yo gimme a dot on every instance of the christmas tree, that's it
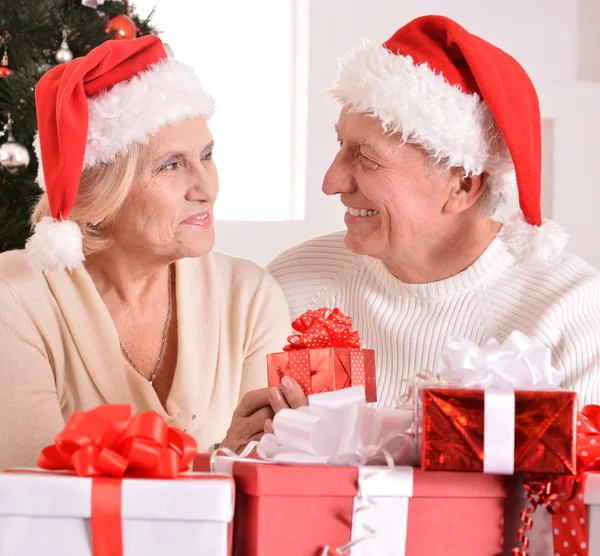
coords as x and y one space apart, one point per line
34 36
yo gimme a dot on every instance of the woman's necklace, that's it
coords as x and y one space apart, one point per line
164 340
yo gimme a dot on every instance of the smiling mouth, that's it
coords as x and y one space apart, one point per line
361 212
201 220
198 217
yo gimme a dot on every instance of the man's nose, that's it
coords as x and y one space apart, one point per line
338 178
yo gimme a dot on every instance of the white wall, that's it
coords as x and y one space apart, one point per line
542 35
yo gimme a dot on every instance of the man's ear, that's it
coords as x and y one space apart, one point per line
464 191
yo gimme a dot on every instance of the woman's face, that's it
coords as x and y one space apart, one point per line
169 211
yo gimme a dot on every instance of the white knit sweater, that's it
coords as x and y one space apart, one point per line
407 324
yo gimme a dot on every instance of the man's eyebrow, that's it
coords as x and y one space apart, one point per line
362 141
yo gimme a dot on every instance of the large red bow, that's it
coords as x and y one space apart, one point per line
323 328
106 443
569 522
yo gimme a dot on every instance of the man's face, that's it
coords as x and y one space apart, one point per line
395 196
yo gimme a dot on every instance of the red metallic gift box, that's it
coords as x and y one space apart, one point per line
453 430
323 370
324 355
297 510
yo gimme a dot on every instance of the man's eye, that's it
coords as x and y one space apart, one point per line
208 155
366 161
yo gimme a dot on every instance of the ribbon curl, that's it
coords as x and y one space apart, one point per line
323 328
539 493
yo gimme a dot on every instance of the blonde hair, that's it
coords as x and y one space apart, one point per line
102 191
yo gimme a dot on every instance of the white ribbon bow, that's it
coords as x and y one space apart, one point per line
338 428
519 363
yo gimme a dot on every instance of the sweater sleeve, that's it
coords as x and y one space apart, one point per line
30 413
577 346
268 334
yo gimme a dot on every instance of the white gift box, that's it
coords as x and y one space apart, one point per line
49 513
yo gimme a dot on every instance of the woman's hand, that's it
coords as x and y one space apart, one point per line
248 421
253 417
290 395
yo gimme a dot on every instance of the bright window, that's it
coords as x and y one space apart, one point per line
251 56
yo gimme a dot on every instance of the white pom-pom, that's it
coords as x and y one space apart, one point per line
55 245
538 245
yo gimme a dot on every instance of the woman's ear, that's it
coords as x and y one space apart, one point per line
464 191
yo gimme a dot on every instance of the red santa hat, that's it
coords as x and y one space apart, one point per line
470 105
91 110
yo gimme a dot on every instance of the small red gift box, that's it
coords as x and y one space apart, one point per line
454 425
325 355
299 510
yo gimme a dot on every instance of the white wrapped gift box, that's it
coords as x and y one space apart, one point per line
49 513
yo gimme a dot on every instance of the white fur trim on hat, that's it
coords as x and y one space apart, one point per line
38 153
536 245
412 100
130 112
55 245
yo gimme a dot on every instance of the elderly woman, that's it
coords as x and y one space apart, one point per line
435 125
151 317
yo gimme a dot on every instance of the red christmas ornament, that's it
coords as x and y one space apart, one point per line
5 71
122 27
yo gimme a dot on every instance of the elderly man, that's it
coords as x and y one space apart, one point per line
436 125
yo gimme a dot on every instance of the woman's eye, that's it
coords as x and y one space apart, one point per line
169 166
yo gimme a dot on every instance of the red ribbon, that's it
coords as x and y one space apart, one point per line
569 523
323 328
107 444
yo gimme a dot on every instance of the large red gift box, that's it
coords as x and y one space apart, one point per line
454 422
324 356
299 510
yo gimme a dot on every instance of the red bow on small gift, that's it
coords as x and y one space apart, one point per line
106 443
323 328
569 522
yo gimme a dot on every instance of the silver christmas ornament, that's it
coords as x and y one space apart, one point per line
92 3
63 54
14 157
168 50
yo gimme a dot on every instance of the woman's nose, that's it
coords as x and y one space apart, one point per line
202 187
